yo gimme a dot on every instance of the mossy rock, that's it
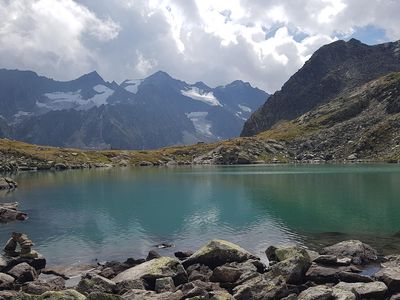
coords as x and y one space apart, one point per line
59 295
153 269
218 252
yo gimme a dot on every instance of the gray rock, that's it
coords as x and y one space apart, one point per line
353 277
39 287
103 296
153 269
218 252
53 295
152 255
150 295
96 283
359 252
293 263
225 274
339 294
125 286
391 277
23 273
6 281
365 290
165 284
260 288
321 274
8 295
319 292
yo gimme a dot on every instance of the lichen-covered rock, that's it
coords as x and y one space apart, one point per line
218 252
96 283
225 274
293 263
260 288
39 287
103 296
391 277
165 284
319 292
365 290
58 295
150 295
153 269
359 252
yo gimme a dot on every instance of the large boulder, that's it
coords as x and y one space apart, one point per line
293 263
321 274
23 273
96 283
261 288
319 292
218 252
391 277
6 281
153 269
365 290
40 286
359 252
53 295
150 295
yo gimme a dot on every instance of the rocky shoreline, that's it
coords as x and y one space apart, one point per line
218 270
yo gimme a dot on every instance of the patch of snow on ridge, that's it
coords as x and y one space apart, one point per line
200 95
244 108
74 100
132 86
200 123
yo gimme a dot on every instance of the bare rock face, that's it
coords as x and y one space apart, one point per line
369 290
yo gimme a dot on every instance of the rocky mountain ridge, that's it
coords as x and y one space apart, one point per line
89 112
331 71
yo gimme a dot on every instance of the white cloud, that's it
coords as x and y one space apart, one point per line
260 41
47 36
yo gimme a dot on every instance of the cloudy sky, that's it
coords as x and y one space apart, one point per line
215 41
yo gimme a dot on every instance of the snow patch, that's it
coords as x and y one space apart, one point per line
74 100
22 114
132 86
200 123
200 95
244 108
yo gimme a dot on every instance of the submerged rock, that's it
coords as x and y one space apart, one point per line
7 183
218 252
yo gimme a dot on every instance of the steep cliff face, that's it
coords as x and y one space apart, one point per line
331 71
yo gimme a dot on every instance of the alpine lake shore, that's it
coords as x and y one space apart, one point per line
220 269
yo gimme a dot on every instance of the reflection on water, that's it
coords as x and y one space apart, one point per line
119 213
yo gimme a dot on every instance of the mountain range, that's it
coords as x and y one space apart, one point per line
90 113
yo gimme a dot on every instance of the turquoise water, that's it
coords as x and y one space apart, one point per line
78 216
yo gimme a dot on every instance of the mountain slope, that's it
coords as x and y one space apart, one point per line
361 124
332 70
154 112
